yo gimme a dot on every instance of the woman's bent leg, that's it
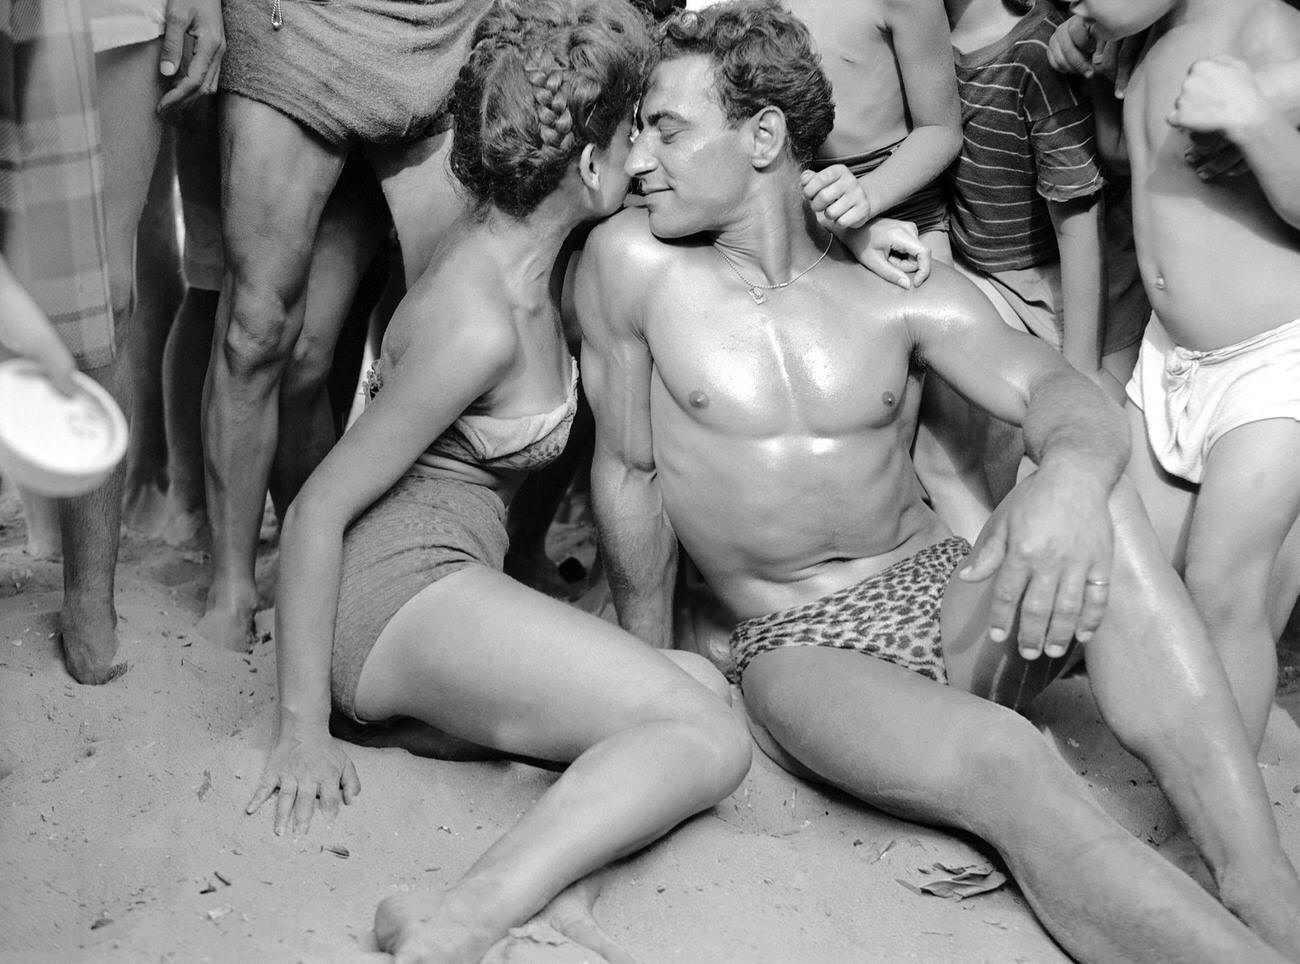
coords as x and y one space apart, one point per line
488 660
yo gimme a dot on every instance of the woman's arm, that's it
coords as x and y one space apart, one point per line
436 379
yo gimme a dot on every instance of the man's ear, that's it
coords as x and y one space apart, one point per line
587 168
770 135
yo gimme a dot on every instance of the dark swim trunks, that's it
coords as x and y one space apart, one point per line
927 208
893 615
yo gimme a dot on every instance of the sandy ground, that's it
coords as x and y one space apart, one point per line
123 838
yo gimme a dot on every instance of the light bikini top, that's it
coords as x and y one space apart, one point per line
510 443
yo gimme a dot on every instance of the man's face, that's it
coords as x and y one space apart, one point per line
1113 19
692 163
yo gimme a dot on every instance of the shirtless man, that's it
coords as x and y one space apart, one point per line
745 405
1214 403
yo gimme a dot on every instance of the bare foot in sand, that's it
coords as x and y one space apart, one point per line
184 528
144 506
229 625
88 633
572 913
442 929
44 540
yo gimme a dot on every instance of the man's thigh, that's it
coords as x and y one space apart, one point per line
1168 500
422 193
275 179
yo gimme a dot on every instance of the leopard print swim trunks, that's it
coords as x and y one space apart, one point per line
893 615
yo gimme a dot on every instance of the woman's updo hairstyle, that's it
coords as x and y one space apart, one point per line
543 79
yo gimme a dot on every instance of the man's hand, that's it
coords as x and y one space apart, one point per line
1050 544
305 764
836 195
891 249
194 41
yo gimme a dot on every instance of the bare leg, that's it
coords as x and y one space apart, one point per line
649 745
129 89
41 514
159 290
189 346
349 234
939 755
421 195
276 178
1162 690
1239 578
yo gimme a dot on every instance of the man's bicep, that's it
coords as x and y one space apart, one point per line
968 345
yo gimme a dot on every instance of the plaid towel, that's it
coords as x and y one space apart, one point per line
52 229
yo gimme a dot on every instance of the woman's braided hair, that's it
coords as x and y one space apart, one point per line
543 79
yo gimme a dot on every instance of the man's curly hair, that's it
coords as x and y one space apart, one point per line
543 79
763 57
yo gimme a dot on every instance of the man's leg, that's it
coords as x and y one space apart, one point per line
1162 690
129 88
938 755
159 290
1240 579
351 229
422 196
276 179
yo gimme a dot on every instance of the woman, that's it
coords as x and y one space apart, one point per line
393 548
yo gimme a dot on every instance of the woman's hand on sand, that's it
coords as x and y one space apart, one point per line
306 765
836 195
1048 547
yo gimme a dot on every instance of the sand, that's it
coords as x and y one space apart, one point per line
123 837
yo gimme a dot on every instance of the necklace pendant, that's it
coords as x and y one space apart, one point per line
758 294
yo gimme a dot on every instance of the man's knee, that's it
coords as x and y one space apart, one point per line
259 333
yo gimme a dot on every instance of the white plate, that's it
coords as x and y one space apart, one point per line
52 444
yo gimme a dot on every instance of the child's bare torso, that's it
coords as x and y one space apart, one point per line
853 39
1218 264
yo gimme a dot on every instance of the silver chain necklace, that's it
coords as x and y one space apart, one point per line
759 291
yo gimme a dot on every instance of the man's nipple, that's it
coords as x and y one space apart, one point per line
698 399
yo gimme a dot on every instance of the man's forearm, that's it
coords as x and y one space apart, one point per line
1071 426
638 548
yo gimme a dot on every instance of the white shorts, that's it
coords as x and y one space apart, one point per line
1191 399
120 23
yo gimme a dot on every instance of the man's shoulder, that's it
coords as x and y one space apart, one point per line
626 239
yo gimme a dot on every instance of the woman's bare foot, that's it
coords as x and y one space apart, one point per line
88 633
572 913
441 929
184 528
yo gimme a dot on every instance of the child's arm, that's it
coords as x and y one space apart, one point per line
24 329
1220 96
919 30
1078 224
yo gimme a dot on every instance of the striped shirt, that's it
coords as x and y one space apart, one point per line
52 229
1027 138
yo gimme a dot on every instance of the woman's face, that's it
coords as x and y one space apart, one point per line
611 163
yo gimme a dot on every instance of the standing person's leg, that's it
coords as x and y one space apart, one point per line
1237 573
276 179
351 229
422 196
158 292
129 89
189 346
650 746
